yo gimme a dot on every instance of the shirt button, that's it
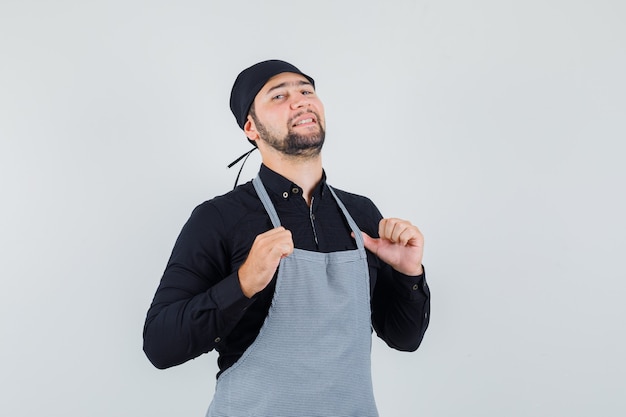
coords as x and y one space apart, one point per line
295 190
415 287
285 194
217 340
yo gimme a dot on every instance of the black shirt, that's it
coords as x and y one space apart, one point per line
199 305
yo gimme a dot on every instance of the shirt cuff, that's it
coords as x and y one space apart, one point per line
228 296
412 287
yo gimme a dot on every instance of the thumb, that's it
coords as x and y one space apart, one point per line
370 243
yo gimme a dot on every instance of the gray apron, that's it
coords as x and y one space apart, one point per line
312 355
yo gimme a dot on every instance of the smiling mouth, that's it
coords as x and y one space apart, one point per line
305 121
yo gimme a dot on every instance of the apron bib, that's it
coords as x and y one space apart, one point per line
312 355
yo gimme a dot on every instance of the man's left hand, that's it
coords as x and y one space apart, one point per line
400 245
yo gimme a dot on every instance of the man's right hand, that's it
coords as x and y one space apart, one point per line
265 255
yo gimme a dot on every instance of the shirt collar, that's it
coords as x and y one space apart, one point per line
283 188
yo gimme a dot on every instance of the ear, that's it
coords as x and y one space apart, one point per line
249 128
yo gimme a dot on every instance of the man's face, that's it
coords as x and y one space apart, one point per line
288 115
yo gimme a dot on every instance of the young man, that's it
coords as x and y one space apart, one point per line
285 276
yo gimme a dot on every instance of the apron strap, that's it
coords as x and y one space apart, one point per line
355 229
265 199
271 211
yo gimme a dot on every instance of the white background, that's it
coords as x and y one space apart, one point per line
495 126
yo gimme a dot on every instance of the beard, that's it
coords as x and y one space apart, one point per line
294 144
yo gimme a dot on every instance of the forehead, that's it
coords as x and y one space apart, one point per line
285 79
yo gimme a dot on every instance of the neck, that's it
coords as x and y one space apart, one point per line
304 171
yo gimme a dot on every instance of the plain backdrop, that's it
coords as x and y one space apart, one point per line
495 126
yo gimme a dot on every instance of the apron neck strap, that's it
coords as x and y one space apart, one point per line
271 211
265 199
355 229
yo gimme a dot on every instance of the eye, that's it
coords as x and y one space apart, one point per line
307 92
278 97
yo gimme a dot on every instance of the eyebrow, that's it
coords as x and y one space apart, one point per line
288 84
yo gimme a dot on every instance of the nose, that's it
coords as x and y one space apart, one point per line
299 101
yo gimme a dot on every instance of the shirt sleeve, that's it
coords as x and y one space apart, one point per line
400 308
199 300
400 303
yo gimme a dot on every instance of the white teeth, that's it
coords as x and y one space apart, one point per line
305 121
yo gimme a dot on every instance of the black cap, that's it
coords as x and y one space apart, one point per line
251 80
